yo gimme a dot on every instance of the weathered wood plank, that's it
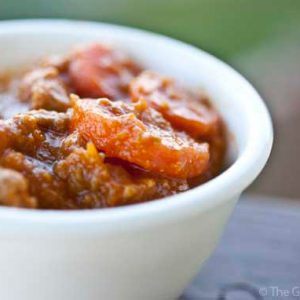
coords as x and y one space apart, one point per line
260 248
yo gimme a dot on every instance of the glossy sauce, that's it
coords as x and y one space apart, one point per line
92 129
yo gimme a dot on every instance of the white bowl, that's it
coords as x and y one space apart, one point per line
145 251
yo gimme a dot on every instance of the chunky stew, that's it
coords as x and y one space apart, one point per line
93 129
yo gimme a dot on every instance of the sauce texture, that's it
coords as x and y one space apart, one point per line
93 129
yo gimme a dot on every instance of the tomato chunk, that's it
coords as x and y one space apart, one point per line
183 109
140 135
99 71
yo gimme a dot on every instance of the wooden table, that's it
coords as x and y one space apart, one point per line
258 256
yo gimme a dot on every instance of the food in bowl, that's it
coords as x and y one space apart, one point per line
93 129
146 251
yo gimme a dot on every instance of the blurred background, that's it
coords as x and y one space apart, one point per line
260 38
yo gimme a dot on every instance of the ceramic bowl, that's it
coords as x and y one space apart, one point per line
148 251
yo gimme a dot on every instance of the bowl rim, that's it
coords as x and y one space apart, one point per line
232 181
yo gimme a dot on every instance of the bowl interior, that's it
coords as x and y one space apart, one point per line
23 42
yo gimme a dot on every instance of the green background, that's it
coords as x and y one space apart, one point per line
224 27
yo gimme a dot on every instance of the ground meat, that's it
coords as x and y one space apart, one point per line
4 138
95 183
65 172
36 133
34 141
98 184
49 192
44 88
14 190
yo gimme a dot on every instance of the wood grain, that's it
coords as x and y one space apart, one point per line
260 251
